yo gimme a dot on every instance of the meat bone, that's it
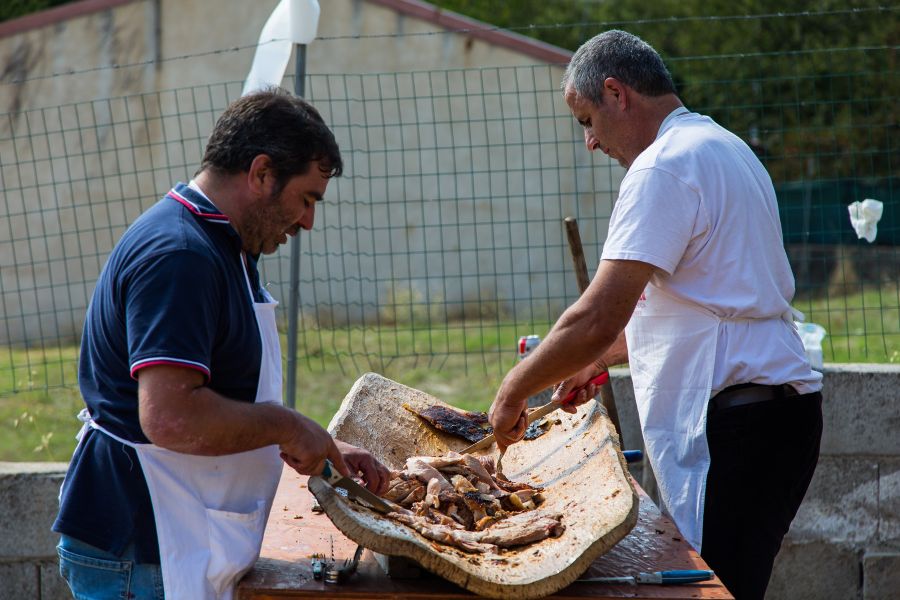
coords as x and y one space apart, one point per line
539 412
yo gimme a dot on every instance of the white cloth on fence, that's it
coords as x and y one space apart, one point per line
864 217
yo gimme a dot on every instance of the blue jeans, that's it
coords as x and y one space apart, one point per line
94 574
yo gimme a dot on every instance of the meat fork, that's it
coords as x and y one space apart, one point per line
500 462
342 574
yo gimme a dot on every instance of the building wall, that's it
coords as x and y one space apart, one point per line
843 545
462 159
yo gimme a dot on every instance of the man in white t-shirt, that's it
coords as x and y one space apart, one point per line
693 291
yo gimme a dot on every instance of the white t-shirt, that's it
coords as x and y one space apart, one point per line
698 205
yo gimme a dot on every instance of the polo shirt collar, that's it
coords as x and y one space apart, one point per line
197 203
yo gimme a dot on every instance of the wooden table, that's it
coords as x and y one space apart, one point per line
294 533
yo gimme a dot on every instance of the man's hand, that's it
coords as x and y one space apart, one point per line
508 418
375 474
179 412
575 381
310 445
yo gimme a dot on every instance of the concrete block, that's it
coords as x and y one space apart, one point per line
881 575
889 500
623 392
20 581
28 506
865 426
53 586
815 571
861 409
841 504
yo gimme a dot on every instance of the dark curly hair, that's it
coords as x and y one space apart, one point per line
278 124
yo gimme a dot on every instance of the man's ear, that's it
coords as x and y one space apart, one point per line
261 176
617 90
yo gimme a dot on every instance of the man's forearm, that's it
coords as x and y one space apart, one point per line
178 412
589 330
616 354
576 339
220 425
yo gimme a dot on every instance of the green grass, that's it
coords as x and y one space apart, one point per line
37 420
461 363
863 326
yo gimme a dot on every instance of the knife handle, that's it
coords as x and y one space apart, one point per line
330 473
552 406
598 380
674 577
633 455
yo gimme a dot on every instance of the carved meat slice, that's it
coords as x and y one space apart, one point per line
523 528
469 463
424 472
400 489
461 539
472 426
405 491
516 530
455 499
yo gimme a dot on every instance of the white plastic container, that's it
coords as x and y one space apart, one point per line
812 335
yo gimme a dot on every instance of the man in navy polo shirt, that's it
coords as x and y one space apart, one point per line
171 483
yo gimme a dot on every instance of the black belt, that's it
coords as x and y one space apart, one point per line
750 393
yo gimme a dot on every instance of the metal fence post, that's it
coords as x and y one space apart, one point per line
294 300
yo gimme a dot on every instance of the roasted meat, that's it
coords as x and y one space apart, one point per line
457 500
472 426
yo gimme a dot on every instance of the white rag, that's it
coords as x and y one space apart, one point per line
864 217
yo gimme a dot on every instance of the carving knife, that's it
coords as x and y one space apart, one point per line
657 577
540 412
354 490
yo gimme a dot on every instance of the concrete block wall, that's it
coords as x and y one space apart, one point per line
29 568
845 540
843 545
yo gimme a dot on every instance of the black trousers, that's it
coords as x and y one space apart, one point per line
763 457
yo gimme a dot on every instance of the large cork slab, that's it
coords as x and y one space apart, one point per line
578 462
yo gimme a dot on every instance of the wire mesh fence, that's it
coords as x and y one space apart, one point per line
445 235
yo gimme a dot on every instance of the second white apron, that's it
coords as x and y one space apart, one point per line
211 511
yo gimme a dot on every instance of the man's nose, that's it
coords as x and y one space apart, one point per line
306 221
590 141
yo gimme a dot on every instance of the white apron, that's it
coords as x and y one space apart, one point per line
672 350
211 511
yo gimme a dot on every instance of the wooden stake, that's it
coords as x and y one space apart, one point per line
581 274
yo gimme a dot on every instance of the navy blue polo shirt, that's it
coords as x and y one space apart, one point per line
172 292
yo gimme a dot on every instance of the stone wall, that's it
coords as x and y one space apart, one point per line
845 541
843 545
28 501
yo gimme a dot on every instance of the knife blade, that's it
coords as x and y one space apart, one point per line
354 490
540 412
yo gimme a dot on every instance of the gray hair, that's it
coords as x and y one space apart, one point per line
618 54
